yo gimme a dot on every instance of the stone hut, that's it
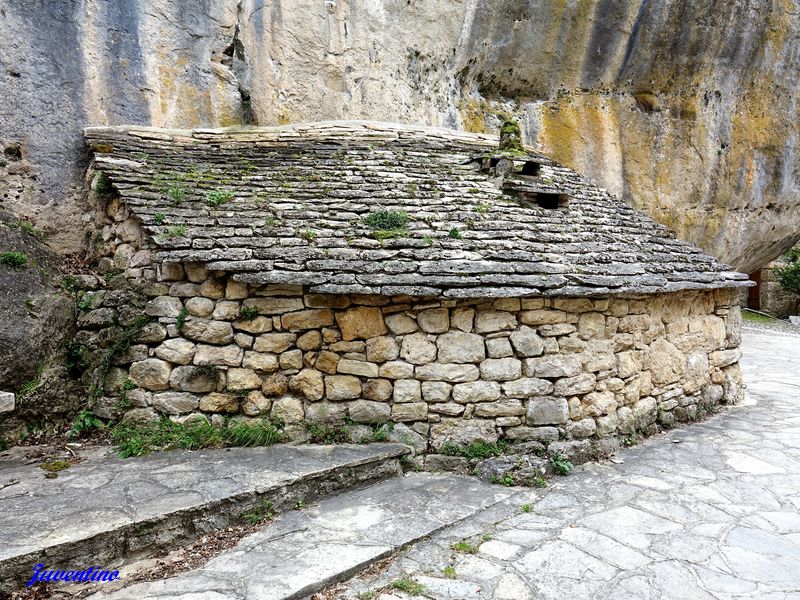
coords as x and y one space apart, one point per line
378 272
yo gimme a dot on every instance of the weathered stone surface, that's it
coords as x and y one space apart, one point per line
476 391
527 387
342 387
501 369
541 434
176 350
451 409
151 333
174 403
230 356
526 343
449 372
194 379
411 411
276 384
591 325
499 348
207 331
434 320
257 325
200 307
327 362
542 317
462 319
573 386
357 367
311 340
401 324
724 358
307 319
213 288
274 342
292 359
596 404
417 350
226 310
151 374
243 379
164 306
490 321
255 403
309 384
377 389
260 361
460 347
547 410
361 323
407 390
7 401
363 411
553 366
581 429
505 407
328 412
396 369
665 362
436 391
275 306
287 410
462 432
382 349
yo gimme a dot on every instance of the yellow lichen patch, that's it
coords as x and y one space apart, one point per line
102 148
473 115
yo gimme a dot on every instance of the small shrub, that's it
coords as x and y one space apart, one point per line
218 197
84 301
30 386
103 184
159 218
465 547
409 586
506 480
175 232
483 207
176 193
308 235
248 313
55 466
449 572
27 227
560 464
789 276
85 421
526 508
180 320
263 511
14 260
324 433
455 234
428 240
386 220
381 432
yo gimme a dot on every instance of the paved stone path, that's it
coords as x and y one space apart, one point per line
708 511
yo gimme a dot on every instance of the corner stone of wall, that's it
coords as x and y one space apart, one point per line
205 346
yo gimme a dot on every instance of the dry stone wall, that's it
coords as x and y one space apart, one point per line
450 371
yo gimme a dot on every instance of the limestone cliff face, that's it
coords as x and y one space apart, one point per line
689 109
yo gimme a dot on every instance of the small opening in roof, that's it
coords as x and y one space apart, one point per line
550 201
531 168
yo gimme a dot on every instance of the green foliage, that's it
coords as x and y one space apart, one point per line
175 231
387 234
55 466
506 480
103 184
409 586
180 320
27 227
299 505
449 572
328 433
538 482
560 464
455 234
308 235
84 301
248 313
483 207
526 508
261 512
477 449
14 260
177 193
3 445
754 317
128 384
141 439
386 220
159 218
789 276
381 432
85 421
218 197
428 240
30 386
120 344
465 547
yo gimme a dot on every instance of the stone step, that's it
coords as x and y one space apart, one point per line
109 508
302 552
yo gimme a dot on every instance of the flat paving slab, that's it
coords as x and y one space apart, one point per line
303 551
708 511
106 498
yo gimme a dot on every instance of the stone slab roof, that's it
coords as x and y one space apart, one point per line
290 205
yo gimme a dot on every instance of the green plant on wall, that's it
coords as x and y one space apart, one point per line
789 275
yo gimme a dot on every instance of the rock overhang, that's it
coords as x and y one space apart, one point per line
289 205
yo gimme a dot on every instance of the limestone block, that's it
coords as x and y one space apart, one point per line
596 404
275 306
7 401
501 369
209 332
403 434
363 411
235 290
174 403
382 349
171 272
413 411
713 330
401 324
460 347
487 321
213 288
645 411
476 391
226 310
542 317
505 407
313 318
256 404
541 434
131 354
200 307
724 358
260 361
139 416
526 342
583 428
396 369
531 303
184 290
326 301
163 306
606 425
311 340
436 391
274 342
342 387
499 348
275 385
151 374
377 389
526 387
309 384
449 372
462 432
463 319
573 305
665 362
450 409
243 379
591 325
407 390
293 359
327 412
417 350
547 410
287 410
348 347
434 320
574 386
176 350
97 319
629 363
357 367
697 372
243 340
229 356
260 324
362 323
733 327
193 379
327 362
553 366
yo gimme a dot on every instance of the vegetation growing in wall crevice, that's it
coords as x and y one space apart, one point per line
789 275
14 260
